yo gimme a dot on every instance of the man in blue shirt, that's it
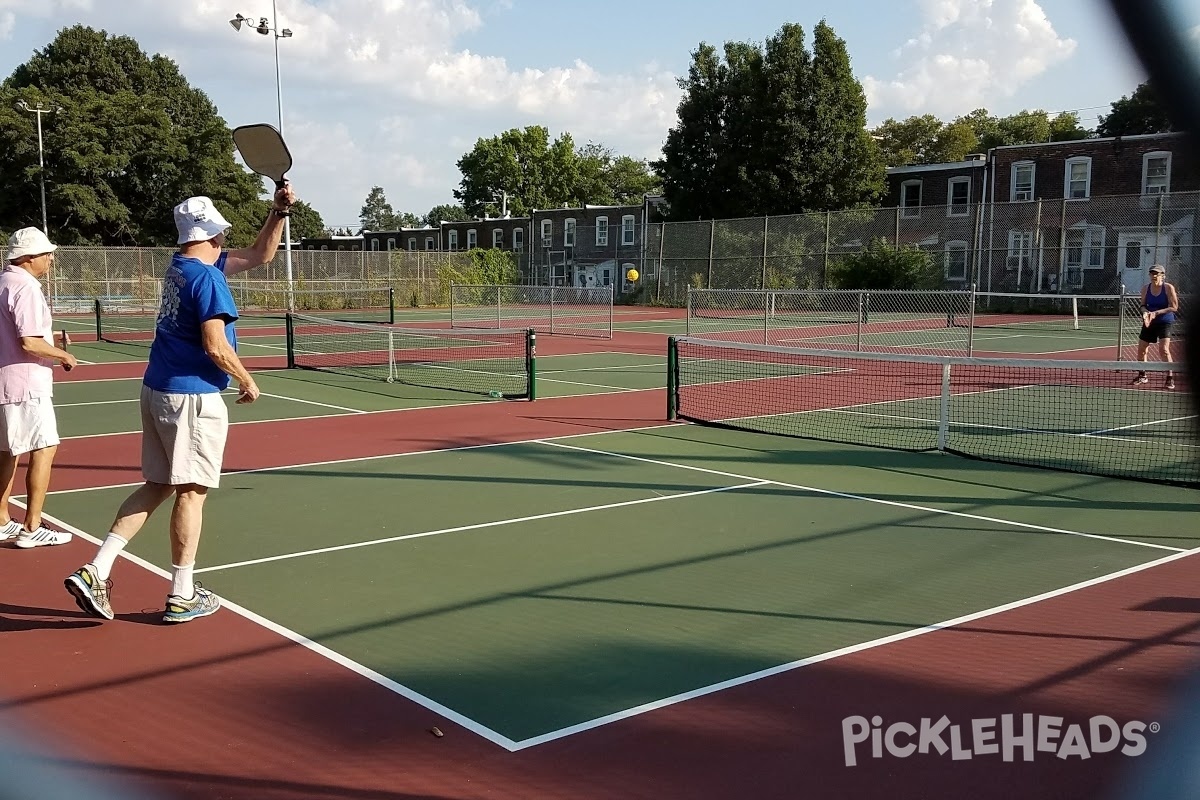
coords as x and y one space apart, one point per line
184 418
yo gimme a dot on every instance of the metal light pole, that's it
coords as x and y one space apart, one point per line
38 110
264 28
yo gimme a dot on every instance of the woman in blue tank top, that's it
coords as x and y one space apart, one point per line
1160 304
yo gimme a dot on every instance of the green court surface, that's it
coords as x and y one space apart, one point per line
590 577
86 408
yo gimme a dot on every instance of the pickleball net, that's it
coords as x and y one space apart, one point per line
493 362
1092 417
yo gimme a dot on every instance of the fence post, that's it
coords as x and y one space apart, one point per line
662 238
712 237
896 241
825 261
766 220
971 324
1062 250
499 314
1121 323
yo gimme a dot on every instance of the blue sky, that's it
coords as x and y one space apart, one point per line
394 92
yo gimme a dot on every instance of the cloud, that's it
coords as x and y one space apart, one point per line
1195 33
968 51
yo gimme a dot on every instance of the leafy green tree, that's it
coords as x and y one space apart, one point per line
880 266
524 163
1140 112
446 213
306 222
605 178
133 139
771 129
377 213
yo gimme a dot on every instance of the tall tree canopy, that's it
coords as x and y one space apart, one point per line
535 172
1140 112
132 139
926 139
447 213
772 129
377 214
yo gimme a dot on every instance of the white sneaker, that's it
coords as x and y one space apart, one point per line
41 537
10 530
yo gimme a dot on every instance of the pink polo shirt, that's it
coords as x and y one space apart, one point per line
23 312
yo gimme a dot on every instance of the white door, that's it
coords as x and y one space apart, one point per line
1134 257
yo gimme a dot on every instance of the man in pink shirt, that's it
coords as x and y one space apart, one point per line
27 358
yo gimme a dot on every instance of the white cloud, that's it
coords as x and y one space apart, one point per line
1195 33
375 91
969 51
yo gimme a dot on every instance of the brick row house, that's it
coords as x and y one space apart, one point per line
585 246
1082 217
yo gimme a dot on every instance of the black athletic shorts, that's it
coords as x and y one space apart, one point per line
1156 330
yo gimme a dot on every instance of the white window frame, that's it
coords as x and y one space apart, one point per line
498 238
324 247
1089 244
569 232
1018 193
628 229
909 210
429 245
1068 193
472 239
391 243
412 243
958 209
518 240
1165 187
601 231
374 244
1020 251
956 246
452 240
547 233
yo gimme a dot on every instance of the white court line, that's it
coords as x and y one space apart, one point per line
478 526
848 496
511 745
839 653
1140 425
320 649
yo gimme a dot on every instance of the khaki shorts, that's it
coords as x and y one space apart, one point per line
183 437
28 425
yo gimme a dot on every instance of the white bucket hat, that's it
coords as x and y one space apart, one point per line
198 220
29 242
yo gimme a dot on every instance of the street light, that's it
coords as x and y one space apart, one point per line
266 27
37 109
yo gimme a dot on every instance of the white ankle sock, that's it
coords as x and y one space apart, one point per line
181 582
109 550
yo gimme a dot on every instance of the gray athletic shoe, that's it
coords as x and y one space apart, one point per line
180 610
90 593
10 530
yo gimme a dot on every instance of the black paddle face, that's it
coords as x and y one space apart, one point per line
263 149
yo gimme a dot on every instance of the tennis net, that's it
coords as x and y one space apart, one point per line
495 362
1082 416
132 320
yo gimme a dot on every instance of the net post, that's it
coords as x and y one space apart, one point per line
393 373
767 297
858 323
531 362
672 378
391 305
1121 322
612 292
688 303
971 326
944 411
290 327
99 329
1074 312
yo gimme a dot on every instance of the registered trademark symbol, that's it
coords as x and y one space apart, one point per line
1155 727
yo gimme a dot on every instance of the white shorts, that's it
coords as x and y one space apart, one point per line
28 425
183 437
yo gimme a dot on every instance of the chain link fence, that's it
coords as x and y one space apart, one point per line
566 310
